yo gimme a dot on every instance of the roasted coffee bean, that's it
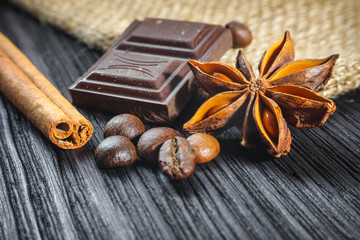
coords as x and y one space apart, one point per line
242 36
149 143
115 151
205 146
177 159
126 125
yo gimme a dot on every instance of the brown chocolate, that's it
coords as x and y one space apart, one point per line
145 71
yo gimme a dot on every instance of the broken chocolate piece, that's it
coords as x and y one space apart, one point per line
145 72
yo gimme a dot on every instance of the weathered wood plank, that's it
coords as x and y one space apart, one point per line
46 192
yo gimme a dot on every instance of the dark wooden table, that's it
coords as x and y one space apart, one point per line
50 193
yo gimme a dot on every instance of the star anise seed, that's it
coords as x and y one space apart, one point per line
283 91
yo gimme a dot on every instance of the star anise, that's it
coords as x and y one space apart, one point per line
284 90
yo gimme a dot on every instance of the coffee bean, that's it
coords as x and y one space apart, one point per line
205 146
149 143
177 160
242 36
115 151
126 125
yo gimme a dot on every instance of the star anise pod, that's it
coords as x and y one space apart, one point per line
284 90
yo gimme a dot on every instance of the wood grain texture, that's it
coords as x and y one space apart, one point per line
50 193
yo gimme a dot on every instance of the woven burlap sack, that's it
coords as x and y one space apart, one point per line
319 28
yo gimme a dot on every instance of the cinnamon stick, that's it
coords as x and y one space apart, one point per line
23 84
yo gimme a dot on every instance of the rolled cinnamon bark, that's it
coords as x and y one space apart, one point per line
23 84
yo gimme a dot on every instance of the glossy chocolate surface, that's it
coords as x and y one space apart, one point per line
145 71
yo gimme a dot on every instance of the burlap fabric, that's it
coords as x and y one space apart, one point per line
318 27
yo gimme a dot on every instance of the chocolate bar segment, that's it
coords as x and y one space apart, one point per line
145 71
166 33
123 74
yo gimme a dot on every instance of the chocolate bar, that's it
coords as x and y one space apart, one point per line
145 71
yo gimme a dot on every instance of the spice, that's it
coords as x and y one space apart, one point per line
284 91
23 84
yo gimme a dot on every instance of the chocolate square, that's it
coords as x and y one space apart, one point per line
145 72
